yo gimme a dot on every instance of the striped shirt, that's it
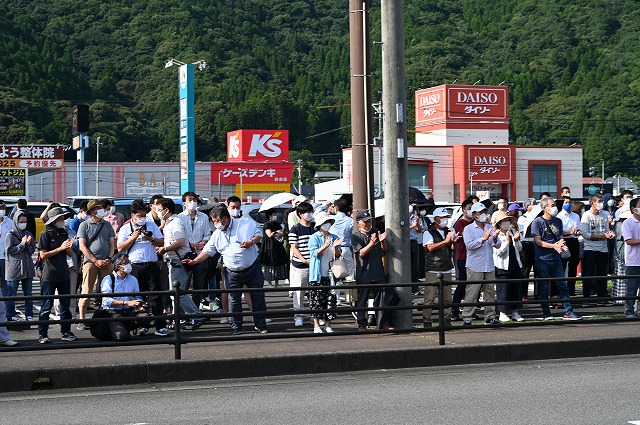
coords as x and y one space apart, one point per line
299 235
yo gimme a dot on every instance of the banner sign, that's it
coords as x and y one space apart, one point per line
13 182
31 156
490 164
250 173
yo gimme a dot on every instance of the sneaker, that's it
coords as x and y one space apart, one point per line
143 331
261 331
29 318
205 306
571 316
162 332
290 294
321 322
224 321
299 322
317 330
69 336
493 320
328 329
504 318
13 319
630 316
362 328
81 327
517 317
600 304
455 317
235 331
467 322
267 320
548 318
8 343
196 324
43 339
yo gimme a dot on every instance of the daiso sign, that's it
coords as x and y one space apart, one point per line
257 145
491 164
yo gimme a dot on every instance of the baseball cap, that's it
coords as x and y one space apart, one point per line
441 212
363 215
477 207
515 207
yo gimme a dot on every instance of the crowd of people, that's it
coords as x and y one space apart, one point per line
213 246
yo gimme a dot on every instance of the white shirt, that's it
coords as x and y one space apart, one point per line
197 228
142 250
569 221
5 227
501 253
227 243
174 230
479 252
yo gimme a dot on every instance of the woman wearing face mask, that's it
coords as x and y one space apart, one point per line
506 258
273 255
19 246
122 306
323 246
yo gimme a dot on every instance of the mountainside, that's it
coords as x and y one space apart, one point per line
572 68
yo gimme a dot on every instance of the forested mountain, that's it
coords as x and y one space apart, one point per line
573 69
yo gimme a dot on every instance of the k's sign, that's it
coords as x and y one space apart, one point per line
257 145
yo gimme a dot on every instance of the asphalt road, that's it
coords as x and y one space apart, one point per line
581 391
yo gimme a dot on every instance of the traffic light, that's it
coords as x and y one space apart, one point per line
80 119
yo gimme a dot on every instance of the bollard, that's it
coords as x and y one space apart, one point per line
176 320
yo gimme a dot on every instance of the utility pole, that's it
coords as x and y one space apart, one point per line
361 127
396 192
97 165
299 176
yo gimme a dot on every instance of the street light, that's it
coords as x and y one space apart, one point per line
202 64
471 174
97 165
41 187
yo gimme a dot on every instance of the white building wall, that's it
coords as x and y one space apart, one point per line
571 166
454 137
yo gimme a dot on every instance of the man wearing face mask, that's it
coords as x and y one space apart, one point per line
234 205
596 230
98 244
54 246
236 241
480 238
198 232
121 281
112 216
438 248
74 225
139 239
547 235
631 236
501 205
176 245
461 256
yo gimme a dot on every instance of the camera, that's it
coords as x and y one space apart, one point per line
145 232
144 305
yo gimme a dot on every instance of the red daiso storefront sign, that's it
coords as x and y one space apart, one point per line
257 145
458 106
491 164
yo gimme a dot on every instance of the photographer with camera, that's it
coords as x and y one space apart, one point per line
139 238
122 281
196 223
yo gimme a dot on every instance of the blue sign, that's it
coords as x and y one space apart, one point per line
187 129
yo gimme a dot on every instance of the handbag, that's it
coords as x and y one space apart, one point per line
339 266
191 255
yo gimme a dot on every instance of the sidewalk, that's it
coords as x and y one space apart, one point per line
301 352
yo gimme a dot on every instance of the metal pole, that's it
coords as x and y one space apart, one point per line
362 151
177 343
97 166
395 151
441 324
299 177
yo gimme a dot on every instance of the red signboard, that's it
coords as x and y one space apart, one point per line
251 172
257 145
31 156
491 165
458 106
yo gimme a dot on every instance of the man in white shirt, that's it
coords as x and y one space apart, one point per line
139 238
174 250
480 238
235 240
198 231
570 232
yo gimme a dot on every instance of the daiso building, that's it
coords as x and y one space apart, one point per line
462 147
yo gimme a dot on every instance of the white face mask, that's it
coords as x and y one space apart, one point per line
600 206
553 212
625 201
235 213
2 213
191 205
308 216
66 222
505 225
219 226
22 226
326 227
141 221
423 213
127 268
482 218
468 214
107 211
59 224
500 206
444 222
100 213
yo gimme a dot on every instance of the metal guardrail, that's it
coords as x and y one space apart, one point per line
177 339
